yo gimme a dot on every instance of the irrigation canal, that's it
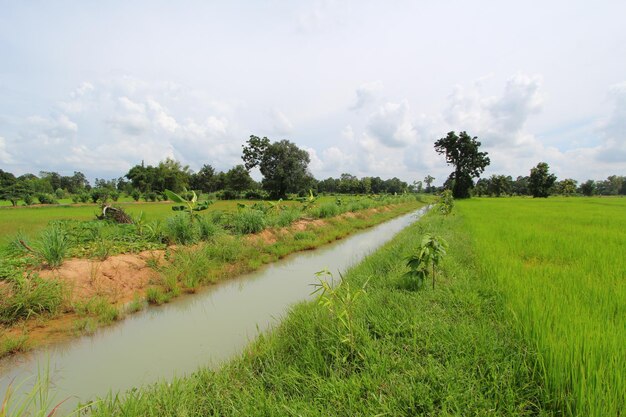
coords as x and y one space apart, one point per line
205 329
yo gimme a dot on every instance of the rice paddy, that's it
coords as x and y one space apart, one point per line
561 265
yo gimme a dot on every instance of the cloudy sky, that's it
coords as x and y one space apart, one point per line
365 86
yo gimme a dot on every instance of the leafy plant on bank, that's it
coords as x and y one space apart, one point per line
446 202
425 261
188 204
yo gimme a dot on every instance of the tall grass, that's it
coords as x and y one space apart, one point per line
24 297
181 229
248 221
561 264
53 245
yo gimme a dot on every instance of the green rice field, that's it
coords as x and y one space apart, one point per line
561 266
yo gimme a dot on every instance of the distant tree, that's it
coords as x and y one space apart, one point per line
238 179
520 185
204 180
428 179
567 187
462 152
587 188
499 185
540 180
282 164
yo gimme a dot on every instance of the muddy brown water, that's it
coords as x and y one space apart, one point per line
205 329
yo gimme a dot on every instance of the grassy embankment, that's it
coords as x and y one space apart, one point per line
371 347
220 248
561 266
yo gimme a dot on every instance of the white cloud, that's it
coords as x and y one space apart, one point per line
5 157
367 94
613 148
391 124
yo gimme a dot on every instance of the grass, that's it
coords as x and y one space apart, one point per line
29 296
448 351
100 309
560 263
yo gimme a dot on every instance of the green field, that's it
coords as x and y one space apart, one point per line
31 220
561 265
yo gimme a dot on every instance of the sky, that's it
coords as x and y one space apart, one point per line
366 87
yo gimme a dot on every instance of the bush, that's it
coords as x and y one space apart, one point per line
255 195
28 199
136 195
59 193
249 221
181 229
46 199
227 195
150 196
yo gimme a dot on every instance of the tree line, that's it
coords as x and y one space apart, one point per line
284 168
283 165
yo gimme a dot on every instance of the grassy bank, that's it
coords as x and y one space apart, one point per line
369 347
560 264
187 268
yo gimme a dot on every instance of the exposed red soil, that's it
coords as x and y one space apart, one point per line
118 278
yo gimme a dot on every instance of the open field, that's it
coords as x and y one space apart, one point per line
31 220
561 266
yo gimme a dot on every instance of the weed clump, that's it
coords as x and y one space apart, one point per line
248 221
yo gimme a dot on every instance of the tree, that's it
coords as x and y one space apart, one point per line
428 179
540 180
462 152
567 187
282 164
499 184
238 179
588 188
204 180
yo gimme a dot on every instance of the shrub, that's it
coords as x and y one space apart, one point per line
46 199
150 196
255 195
249 221
28 199
227 195
136 195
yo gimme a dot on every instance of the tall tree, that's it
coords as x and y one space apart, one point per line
428 179
282 164
541 180
462 152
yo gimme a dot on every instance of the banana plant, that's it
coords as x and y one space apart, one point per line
189 205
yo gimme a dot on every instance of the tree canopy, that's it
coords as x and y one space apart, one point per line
541 180
282 164
462 152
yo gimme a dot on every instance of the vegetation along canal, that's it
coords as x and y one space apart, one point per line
203 330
